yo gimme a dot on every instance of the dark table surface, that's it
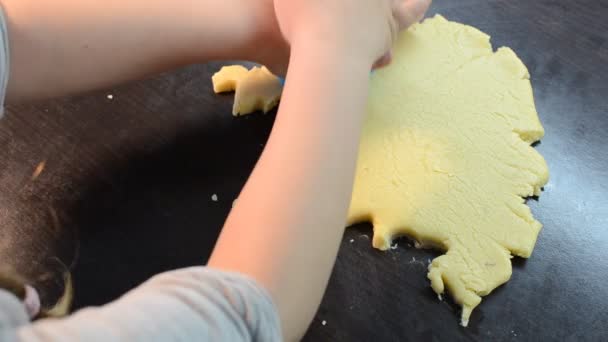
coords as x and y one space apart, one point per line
127 183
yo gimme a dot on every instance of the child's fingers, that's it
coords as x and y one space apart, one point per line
405 13
408 12
383 61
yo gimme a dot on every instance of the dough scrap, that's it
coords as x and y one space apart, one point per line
445 157
255 89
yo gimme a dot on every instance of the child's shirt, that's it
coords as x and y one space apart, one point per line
192 304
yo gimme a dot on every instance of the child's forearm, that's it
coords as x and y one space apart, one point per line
64 46
286 228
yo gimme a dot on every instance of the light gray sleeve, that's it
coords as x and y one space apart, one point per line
4 59
12 316
192 304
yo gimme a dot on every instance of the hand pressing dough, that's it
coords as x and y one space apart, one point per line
445 157
256 89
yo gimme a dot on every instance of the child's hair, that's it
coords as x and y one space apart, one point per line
15 284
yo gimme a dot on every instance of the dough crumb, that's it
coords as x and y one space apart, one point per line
38 170
214 198
324 322
110 96
394 246
352 240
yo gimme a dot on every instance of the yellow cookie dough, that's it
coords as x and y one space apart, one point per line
256 89
445 157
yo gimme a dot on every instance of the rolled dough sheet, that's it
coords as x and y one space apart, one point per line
445 157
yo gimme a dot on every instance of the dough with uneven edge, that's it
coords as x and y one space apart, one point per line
255 89
445 157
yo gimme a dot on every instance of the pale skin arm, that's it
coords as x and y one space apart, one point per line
286 228
61 47
287 225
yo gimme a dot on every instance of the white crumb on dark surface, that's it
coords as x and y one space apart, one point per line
110 96
214 197
351 240
394 246
324 322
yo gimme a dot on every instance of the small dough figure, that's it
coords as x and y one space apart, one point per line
445 157
256 89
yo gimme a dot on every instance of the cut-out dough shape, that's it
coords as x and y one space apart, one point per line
445 157
256 89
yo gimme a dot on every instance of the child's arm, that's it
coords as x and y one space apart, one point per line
289 219
64 46
286 227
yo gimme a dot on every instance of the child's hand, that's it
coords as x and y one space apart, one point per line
264 43
363 29
359 28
